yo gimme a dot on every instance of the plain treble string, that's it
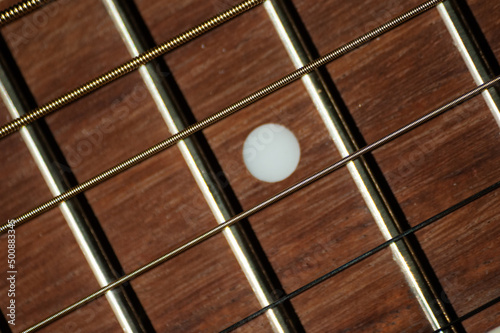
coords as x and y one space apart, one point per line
38 3
281 195
373 251
250 99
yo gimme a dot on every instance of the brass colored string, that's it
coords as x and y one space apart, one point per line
20 9
127 67
272 200
374 250
252 98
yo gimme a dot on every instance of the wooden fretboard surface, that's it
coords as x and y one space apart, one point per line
157 205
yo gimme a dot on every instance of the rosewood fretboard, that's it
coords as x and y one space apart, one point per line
157 205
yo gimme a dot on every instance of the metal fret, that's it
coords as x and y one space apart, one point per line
195 158
126 67
387 243
470 54
75 216
226 112
212 191
361 174
281 195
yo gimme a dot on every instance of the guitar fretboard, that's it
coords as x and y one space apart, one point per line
442 276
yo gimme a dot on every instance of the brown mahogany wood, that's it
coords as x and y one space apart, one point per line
156 206
488 22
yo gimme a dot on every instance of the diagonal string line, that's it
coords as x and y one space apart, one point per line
252 98
27 6
281 195
470 314
368 254
19 10
127 67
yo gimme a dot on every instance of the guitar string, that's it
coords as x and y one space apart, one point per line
19 10
126 67
274 199
470 314
285 20
371 252
250 99
261 304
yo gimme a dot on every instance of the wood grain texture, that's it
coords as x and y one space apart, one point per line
439 164
487 20
51 268
157 205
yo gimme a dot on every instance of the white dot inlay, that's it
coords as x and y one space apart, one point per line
271 153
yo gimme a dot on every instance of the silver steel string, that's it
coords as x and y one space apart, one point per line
286 24
127 67
281 195
250 99
371 252
37 140
215 193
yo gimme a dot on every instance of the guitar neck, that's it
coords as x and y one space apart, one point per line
436 277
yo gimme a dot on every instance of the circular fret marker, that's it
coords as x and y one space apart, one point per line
271 153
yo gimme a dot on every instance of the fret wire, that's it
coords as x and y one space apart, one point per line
19 10
417 277
471 314
127 67
264 204
38 141
250 99
368 254
472 57
126 19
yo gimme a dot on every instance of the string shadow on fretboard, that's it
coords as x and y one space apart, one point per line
492 66
210 160
4 326
80 201
481 44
